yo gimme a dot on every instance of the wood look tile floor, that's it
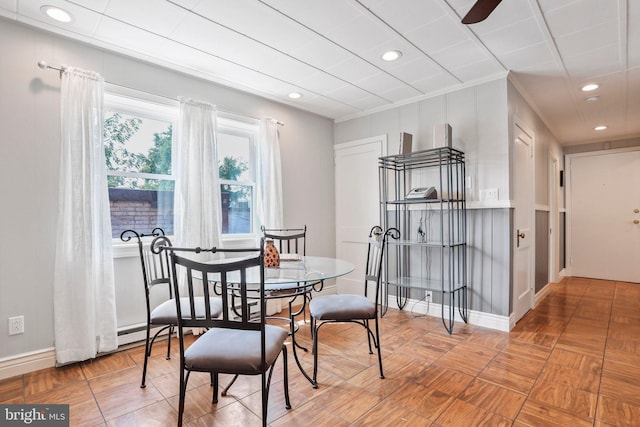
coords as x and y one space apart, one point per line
572 361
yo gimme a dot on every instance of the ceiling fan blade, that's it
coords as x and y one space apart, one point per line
480 11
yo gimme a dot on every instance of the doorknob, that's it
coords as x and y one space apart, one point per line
519 235
636 210
635 221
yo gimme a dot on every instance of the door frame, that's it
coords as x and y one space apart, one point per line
519 125
380 141
554 219
568 228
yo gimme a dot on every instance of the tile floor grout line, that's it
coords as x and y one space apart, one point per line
604 351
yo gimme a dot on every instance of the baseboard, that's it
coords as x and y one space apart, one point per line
542 294
27 362
477 318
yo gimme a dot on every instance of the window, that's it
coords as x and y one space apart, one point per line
237 142
139 152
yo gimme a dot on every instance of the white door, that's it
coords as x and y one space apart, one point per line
603 205
523 224
357 204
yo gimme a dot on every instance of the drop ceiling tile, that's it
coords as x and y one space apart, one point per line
399 93
477 71
582 42
407 15
318 82
369 102
159 17
321 52
438 35
529 57
360 34
188 4
436 84
284 67
134 39
598 62
460 55
9 5
414 70
216 40
348 94
95 5
352 69
378 82
580 15
548 6
258 21
321 16
513 37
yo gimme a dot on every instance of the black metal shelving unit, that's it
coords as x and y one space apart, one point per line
431 255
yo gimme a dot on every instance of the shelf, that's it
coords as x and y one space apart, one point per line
422 201
427 285
422 159
431 243
442 220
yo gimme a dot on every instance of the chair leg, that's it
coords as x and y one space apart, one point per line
147 351
286 377
183 391
314 350
214 383
169 343
265 398
366 325
379 349
226 389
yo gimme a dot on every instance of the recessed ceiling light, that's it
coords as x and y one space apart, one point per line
592 99
56 13
589 87
601 127
391 55
295 95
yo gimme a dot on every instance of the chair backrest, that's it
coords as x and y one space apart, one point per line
288 240
156 267
375 256
228 276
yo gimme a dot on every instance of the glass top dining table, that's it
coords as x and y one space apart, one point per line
292 274
295 278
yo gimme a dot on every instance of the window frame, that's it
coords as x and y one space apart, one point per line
235 125
148 106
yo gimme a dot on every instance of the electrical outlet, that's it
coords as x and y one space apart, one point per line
16 325
428 296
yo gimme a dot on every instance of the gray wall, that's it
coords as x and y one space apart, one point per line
542 250
479 119
29 152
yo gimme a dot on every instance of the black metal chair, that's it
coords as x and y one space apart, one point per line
235 343
156 274
359 309
288 240
292 241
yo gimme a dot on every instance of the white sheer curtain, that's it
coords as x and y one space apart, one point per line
270 208
197 196
84 291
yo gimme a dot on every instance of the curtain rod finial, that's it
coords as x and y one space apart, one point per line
43 65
